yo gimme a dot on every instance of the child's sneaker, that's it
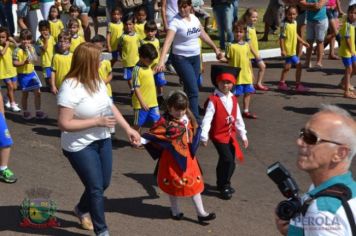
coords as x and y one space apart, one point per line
41 115
7 176
283 86
26 115
7 105
15 108
301 89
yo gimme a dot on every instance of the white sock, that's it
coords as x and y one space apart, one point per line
198 203
174 205
246 110
3 168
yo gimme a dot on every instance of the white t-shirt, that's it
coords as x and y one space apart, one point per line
186 39
73 95
171 9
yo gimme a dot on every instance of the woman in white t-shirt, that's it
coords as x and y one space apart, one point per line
86 114
183 33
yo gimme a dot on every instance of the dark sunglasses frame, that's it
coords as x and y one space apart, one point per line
311 138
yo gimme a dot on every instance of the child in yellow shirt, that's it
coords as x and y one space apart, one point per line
140 21
45 45
61 62
114 32
128 45
23 59
8 72
56 25
73 27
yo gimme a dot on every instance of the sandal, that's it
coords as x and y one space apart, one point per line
333 57
350 95
249 115
261 87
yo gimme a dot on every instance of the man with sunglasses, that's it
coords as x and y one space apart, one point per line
326 146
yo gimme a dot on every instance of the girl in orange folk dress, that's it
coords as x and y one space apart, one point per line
174 140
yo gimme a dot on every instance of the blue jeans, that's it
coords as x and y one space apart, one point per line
93 164
188 69
235 5
6 18
224 14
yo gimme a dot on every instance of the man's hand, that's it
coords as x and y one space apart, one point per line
282 225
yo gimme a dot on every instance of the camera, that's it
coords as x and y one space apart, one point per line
290 208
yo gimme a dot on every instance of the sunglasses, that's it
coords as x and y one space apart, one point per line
310 138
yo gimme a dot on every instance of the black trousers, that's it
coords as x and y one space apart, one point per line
226 164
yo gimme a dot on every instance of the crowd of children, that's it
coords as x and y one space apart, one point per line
132 39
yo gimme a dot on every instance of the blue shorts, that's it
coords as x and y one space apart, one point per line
292 60
160 81
5 137
141 116
128 73
115 55
200 80
255 61
348 61
47 71
13 80
241 89
29 81
332 14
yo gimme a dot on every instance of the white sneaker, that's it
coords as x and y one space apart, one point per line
8 105
15 108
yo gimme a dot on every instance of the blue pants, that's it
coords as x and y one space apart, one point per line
188 69
93 164
224 14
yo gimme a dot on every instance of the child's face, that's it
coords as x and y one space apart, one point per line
239 34
352 16
64 45
74 14
44 32
54 13
146 61
74 29
292 14
225 86
178 114
26 42
151 34
116 16
141 16
3 38
100 45
129 27
253 18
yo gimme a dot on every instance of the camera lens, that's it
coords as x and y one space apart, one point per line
288 209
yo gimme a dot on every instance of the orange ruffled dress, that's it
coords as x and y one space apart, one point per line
172 141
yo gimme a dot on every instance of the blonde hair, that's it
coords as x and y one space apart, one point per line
85 66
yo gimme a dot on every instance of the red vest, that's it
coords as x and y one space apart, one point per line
223 124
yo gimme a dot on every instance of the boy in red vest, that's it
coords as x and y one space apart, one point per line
221 123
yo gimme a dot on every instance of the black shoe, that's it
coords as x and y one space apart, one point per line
211 216
161 102
232 190
177 217
225 194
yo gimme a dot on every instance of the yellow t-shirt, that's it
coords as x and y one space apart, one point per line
46 56
140 30
104 71
347 31
7 69
55 27
237 55
155 43
75 43
289 34
21 55
81 31
129 49
60 66
142 77
115 30
251 38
